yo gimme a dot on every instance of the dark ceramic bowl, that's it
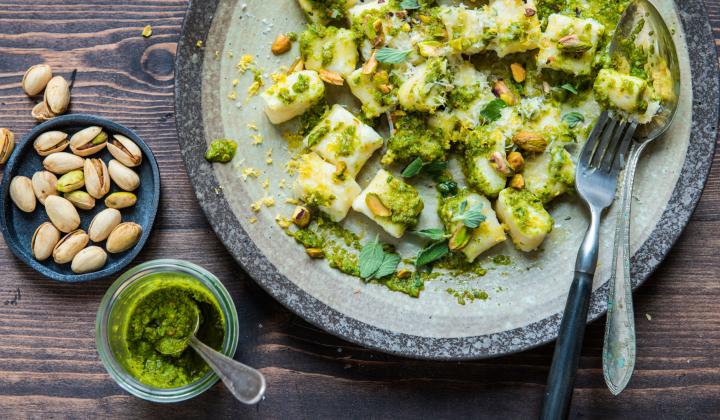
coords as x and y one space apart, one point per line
18 227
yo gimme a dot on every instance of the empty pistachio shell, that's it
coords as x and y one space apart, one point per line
120 200
62 213
36 78
88 141
44 183
88 260
69 246
97 178
50 142
41 112
71 181
44 240
125 151
103 224
57 95
123 237
123 176
62 163
7 144
81 200
21 193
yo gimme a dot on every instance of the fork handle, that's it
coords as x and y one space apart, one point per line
561 379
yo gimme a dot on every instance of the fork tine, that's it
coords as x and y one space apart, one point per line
609 158
592 140
607 136
624 150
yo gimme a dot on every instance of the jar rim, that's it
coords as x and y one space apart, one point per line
112 296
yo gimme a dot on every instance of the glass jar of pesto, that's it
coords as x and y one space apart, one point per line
156 303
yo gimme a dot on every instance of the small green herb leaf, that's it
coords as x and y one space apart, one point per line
433 234
492 111
388 266
432 253
447 188
570 88
391 55
471 217
435 168
371 258
413 168
410 4
573 119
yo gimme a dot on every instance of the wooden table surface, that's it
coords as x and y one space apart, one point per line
48 362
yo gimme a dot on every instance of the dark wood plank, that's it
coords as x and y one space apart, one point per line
48 363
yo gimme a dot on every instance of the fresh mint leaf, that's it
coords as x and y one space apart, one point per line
493 110
433 234
573 119
389 265
391 55
410 4
471 217
413 168
435 168
570 88
371 258
432 253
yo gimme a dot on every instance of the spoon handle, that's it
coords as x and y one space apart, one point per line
244 382
619 345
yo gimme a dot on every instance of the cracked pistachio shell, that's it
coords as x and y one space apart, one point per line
69 246
22 194
44 184
7 144
71 181
36 78
88 260
103 224
97 178
62 163
57 95
62 213
50 142
41 112
44 240
124 177
81 200
125 151
120 200
88 141
123 237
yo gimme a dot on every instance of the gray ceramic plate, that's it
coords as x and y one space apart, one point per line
526 298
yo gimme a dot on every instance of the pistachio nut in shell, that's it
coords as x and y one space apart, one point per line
88 260
22 194
123 237
103 224
41 112
62 163
44 184
69 246
124 177
7 144
120 200
36 78
125 151
88 141
71 181
97 178
50 142
62 213
81 200
44 240
57 95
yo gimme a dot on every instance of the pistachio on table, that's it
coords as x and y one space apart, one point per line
44 184
88 141
123 237
22 194
125 151
50 142
71 181
7 144
124 177
120 200
41 112
62 163
57 95
80 199
103 224
69 246
44 240
62 213
97 178
36 78
88 260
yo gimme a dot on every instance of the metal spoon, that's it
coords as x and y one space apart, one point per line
245 383
619 346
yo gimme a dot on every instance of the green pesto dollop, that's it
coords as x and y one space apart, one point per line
403 201
157 327
221 151
413 138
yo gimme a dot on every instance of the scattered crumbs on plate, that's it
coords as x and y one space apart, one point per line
268 157
291 200
199 44
230 54
235 82
292 166
147 31
253 220
250 172
266 184
282 221
232 95
244 64
265 201
217 54
649 317
256 139
282 184
252 126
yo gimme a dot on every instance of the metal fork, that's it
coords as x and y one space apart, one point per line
601 160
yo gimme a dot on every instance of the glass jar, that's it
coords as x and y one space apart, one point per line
113 310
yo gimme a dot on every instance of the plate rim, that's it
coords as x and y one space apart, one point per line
683 201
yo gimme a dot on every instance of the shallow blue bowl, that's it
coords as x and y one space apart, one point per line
18 227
